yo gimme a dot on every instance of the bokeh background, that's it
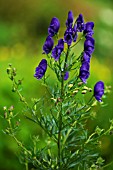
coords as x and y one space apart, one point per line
23 29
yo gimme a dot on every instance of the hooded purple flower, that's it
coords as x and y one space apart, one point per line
84 71
89 44
80 23
86 57
68 36
54 27
48 45
99 90
66 75
89 28
70 19
57 50
41 69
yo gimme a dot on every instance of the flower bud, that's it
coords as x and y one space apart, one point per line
85 88
70 85
89 89
11 108
14 71
13 89
5 115
8 70
84 91
80 83
4 108
19 82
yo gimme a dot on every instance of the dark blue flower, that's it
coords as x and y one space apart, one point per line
54 27
84 71
61 44
99 90
86 57
70 19
80 23
48 45
89 28
57 50
89 44
41 69
68 36
66 75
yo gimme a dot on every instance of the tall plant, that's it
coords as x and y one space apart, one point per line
64 110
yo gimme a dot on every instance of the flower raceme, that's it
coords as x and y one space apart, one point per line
88 50
70 36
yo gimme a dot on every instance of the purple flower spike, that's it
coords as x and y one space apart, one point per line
80 23
68 36
48 45
84 71
70 19
99 90
57 50
89 28
41 69
86 57
66 75
54 27
89 45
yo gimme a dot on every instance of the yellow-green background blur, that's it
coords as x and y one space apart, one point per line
23 29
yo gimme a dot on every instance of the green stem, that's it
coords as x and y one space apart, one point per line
19 94
17 141
77 41
68 132
60 113
26 165
107 164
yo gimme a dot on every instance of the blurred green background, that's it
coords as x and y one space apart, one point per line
23 29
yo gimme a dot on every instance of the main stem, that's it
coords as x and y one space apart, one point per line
60 113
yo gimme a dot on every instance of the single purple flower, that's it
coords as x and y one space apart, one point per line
70 19
80 23
89 28
86 57
57 50
84 71
66 75
48 45
41 69
61 44
68 36
89 44
99 90
54 27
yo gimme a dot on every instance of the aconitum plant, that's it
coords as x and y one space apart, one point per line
64 109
